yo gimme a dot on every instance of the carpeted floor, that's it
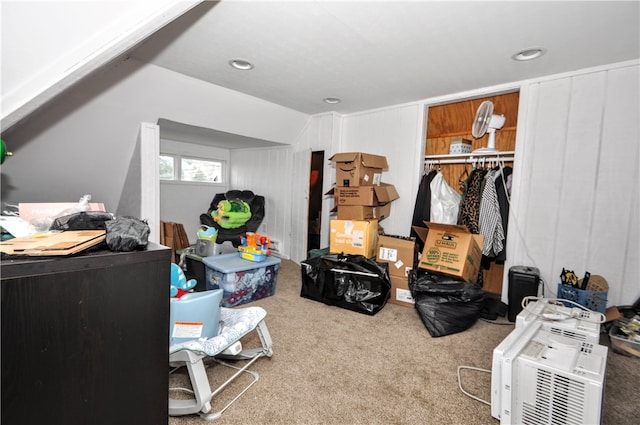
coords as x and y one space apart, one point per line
334 366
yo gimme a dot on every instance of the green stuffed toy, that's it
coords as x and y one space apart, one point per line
231 214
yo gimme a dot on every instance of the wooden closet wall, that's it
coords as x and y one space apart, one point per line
453 121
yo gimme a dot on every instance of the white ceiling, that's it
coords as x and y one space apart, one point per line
373 54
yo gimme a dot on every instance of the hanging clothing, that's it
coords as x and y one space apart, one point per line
504 196
470 203
445 201
422 208
490 219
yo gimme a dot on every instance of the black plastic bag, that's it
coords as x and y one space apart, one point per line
445 305
83 220
353 282
127 234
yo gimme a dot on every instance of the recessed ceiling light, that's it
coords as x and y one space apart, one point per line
331 100
529 54
241 64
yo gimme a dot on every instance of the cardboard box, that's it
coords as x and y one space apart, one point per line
400 293
399 252
242 280
364 202
365 195
50 244
363 212
358 168
451 249
354 237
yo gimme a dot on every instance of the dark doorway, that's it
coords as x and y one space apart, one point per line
315 200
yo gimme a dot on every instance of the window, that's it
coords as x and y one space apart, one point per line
178 168
167 169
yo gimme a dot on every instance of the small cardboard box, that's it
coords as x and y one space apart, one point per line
358 168
242 280
399 252
363 212
451 249
400 293
365 195
354 237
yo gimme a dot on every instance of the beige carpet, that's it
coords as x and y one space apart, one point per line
334 366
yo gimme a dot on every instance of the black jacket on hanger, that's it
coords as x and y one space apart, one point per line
422 209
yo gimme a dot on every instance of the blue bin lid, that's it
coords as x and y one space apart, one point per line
230 263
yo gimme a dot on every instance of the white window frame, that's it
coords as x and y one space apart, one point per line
177 170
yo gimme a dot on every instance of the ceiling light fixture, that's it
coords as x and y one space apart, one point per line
331 100
529 54
241 64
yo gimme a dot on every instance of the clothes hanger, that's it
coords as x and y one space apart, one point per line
464 176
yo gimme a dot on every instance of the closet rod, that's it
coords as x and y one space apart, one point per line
469 158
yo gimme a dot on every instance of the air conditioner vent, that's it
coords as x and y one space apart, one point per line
579 336
558 401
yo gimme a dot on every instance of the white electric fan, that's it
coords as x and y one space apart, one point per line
486 122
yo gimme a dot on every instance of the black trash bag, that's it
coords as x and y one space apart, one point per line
352 282
127 234
446 305
83 220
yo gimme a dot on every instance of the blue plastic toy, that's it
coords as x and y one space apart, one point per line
179 283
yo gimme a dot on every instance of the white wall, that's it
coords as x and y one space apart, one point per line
575 179
84 141
397 133
48 46
322 133
267 172
576 188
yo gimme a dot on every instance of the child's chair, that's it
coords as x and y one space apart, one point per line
201 329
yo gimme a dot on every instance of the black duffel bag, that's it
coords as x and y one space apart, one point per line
353 282
446 305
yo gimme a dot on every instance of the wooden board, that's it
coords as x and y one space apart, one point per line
63 243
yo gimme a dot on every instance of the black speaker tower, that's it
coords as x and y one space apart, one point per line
523 282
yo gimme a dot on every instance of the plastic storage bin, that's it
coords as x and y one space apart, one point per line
593 300
622 344
241 280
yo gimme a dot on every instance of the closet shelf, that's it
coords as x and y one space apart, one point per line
467 158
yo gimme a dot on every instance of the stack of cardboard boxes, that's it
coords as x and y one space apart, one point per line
400 254
449 249
362 200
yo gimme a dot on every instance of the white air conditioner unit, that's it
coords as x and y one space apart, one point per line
572 322
542 378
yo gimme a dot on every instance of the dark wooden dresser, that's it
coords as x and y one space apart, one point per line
85 338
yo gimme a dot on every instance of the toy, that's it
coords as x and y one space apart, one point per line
254 247
208 233
231 214
205 244
568 277
179 283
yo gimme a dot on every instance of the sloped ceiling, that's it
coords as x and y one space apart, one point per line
373 54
